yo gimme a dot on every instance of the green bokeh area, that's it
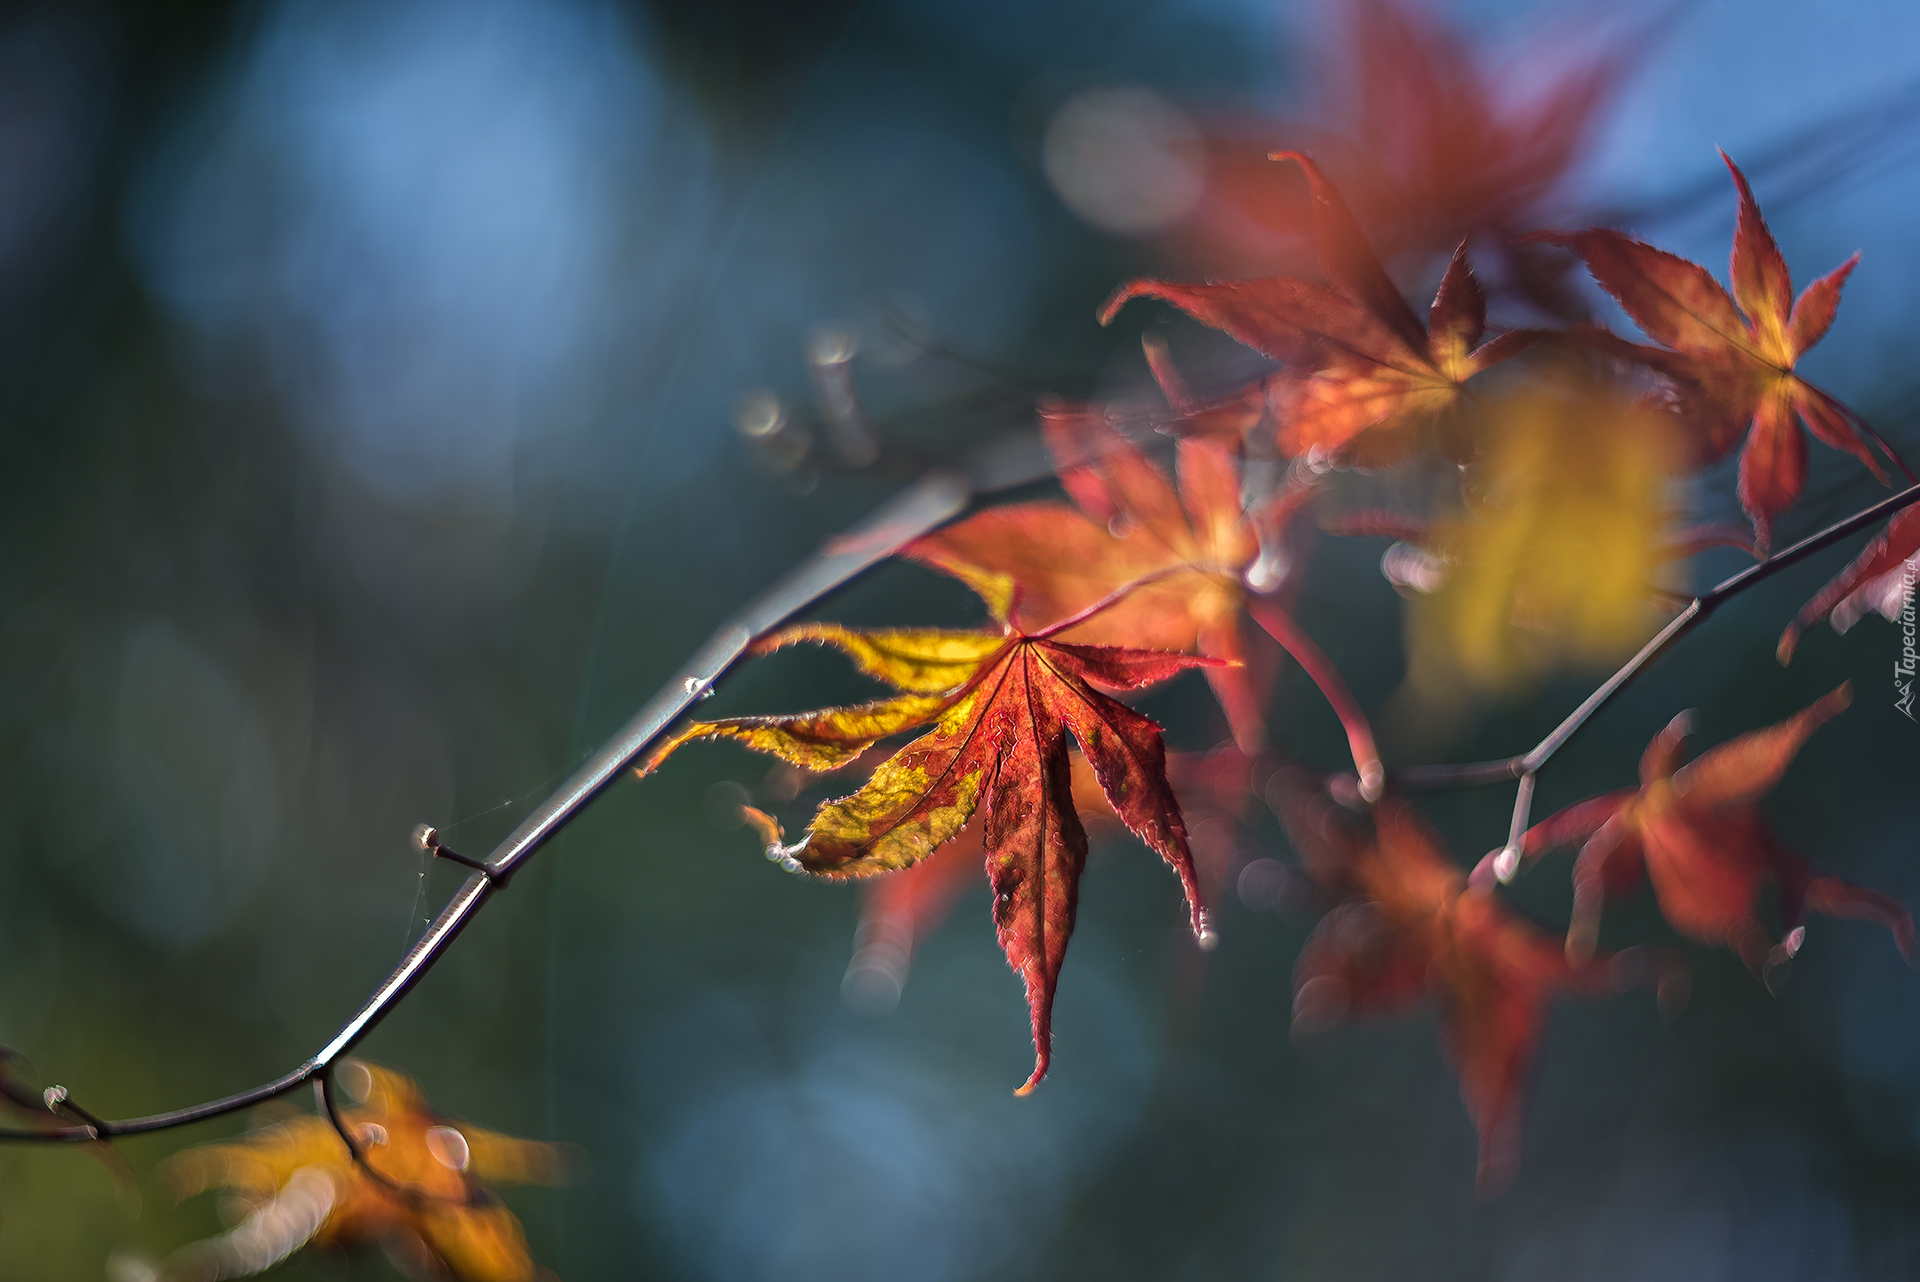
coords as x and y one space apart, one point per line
367 458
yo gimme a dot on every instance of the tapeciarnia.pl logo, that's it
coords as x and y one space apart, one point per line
1903 667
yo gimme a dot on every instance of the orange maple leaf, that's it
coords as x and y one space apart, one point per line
1695 831
996 710
1370 374
1184 560
1411 928
429 1207
1733 355
1127 524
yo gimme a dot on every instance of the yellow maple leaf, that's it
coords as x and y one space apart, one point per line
427 1200
1550 565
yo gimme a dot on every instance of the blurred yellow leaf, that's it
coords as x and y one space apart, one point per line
297 1185
1552 562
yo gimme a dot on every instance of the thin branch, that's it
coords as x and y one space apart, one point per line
1507 862
1432 778
932 501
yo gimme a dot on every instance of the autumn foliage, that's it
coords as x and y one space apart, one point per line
1563 476
421 1189
1525 462
1561 526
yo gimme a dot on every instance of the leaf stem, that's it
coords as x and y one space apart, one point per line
1366 757
1110 600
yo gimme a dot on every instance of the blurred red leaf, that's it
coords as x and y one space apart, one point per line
1410 929
1126 523
1366 366
1872 582
1696 832
1432 144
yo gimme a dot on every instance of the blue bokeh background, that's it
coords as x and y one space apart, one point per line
370 374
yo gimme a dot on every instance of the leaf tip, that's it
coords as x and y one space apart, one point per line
1789 639
1128 291
764 824
773 836
1204 935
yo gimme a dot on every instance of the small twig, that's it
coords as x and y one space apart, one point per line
1507 862
427 837
1467 775
1430 778
59 1101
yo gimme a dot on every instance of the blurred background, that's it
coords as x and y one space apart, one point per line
396 393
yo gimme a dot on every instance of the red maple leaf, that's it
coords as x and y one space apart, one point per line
1732 356
898 910
1369 374
1186 555
1411 928
1432 145
1696 832
1876 580
1127 524
996 711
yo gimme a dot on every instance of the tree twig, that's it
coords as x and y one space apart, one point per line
1527 764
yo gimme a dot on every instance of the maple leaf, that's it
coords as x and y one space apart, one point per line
1374 373
1410 929
1879 579
996 710
1733 355
1696 833
899 909
428 1203
1126 524
1548 564
1432 146
1183 560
